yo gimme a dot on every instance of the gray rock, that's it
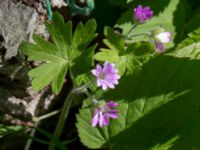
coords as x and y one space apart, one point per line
17 23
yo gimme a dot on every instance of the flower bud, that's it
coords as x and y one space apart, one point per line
160 37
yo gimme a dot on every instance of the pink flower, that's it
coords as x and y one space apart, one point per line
142 14
103 113
106 76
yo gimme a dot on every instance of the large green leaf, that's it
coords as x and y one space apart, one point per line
67 50
193 37
193 22
155 102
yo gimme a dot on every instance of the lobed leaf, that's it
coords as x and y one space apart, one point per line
67 50
126 58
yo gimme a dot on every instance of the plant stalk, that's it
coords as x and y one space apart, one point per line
28 143
139 34
62 118
133 27
36 119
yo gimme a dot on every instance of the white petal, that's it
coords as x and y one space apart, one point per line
164 37
94 72
110 85
99 82
104 86
101 120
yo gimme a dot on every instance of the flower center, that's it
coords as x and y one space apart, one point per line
101 75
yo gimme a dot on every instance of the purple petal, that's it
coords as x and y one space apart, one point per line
114 116
138 9
107 68
113 113
99 82
115 82
112 76
106 120
109 84
111 104
147 9
159 47
95 119
97 71
104 86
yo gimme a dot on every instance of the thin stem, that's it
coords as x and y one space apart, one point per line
62 118
80 89
28 143
133 27
36 119
153 54
138 61
139 34
88 94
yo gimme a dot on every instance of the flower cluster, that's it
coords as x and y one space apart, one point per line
160 37
107 75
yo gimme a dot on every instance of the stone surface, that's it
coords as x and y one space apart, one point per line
17 23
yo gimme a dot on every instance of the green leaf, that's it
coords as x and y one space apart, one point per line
186 137
126 58
193 23
67 50
114 41
6 130
193 37
155 102
48 72
82 65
